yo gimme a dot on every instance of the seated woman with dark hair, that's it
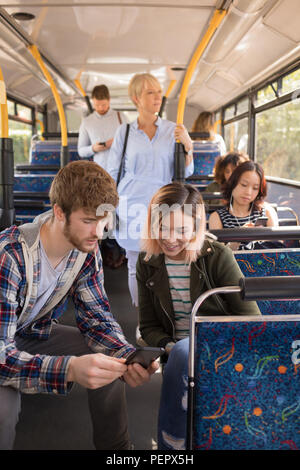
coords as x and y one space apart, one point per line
245 193
223 169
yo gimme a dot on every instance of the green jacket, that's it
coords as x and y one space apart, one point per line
215 267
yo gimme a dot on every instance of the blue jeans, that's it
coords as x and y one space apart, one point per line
173 401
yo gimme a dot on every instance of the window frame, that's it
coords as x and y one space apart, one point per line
33 109
253 110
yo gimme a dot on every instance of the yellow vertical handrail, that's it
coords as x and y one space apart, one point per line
215 22
62 118
41 126
81 89
216 125
3 108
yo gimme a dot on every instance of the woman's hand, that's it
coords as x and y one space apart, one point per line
182 135
233 245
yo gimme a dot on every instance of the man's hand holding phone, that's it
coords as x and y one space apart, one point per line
141 365
99 147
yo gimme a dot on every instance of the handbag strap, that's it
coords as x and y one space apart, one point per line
123 154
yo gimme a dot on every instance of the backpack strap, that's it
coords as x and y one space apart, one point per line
123 155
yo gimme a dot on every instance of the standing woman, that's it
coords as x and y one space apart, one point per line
148 164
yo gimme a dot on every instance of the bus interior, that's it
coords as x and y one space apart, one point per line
247 75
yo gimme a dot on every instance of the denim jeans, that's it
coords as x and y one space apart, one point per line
172 416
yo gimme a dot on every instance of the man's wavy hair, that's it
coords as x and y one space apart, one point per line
169 198
101 92
83 185
235 177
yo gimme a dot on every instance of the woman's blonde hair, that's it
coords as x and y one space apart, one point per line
137 83
168 199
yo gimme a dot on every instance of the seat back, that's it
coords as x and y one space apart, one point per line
260 263
47 152
247 383
39 176
205 154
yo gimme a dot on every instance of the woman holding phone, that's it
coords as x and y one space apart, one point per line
244 192
176 265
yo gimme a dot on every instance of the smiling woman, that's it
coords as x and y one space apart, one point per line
177 265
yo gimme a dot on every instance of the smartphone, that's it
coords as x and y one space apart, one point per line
102 143
261 222
145 356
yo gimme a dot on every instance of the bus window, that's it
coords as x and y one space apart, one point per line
24 112
21 134
10 107
291 82
236 135
278 140
265 95
242 106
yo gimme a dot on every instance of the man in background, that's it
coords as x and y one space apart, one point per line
97 130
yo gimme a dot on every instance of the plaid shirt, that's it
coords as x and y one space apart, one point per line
39 373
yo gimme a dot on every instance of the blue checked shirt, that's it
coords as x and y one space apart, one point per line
40 373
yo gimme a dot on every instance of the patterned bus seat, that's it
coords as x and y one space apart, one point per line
247 393
205 154
47 152
281 262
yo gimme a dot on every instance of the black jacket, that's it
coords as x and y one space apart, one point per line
215 267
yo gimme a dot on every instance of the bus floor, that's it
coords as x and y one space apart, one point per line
49 422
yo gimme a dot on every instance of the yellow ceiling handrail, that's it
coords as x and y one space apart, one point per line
215 22
62 118
79 86
81 89
3 108
170 88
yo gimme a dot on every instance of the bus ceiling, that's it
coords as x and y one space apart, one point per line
255 39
